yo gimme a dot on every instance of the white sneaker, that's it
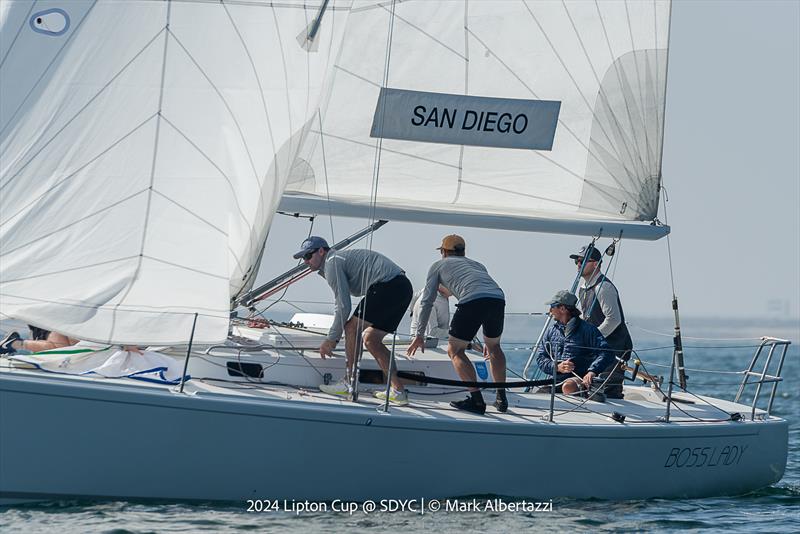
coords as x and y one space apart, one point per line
338 388
399 398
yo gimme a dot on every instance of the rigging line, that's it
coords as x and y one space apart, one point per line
73 223
79 169
428 35
643 111
617 154
617 254
391 151
669 247
47 68
82 109
325 173
286 289
19 30
148 205
620 77
701 338
466 92
676 404
560 121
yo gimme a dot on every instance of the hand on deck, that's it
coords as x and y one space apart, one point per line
326 349
417 343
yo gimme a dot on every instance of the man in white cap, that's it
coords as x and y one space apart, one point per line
481 303
601 307
387 293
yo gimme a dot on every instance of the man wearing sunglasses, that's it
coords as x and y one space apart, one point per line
387 293
601 306
481 303
577 349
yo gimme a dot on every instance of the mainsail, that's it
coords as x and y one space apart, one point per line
145 146
603 64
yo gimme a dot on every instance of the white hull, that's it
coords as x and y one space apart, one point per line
77 437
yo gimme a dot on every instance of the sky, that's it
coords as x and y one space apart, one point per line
731 169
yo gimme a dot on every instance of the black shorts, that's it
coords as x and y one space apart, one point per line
386 303
470 316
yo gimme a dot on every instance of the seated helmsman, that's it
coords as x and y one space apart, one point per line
578 349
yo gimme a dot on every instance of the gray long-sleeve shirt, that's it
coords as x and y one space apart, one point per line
351 272
465 278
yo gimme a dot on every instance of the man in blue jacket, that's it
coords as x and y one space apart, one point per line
579 349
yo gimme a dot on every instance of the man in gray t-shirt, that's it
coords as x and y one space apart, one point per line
387 293
481 303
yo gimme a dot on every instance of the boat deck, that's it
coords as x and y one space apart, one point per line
641 405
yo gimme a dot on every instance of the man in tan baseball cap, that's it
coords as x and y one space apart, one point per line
481 304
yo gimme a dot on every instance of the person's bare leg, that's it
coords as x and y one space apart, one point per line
352 342
462 365
497 358
373 340
570 386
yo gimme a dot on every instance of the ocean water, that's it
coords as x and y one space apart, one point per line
725 345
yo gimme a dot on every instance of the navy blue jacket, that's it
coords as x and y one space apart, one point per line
577 341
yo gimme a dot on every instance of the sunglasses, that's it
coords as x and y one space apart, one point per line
578 261
307 255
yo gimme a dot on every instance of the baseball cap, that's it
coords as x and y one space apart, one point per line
452 242
562 297
594 255
310 245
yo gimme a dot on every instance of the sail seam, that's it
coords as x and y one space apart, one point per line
79 169
187 210
222 99
84 108
641 90
615 65
431 37
528 195
466 92
532 92
604 97
209 160
362 143
223 312
19 30
577 87
52 61
73 223
148 204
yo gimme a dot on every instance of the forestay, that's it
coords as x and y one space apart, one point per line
448 156
145 147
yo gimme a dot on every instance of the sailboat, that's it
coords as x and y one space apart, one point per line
143 164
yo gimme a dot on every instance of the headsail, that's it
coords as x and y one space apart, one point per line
145 147
603 63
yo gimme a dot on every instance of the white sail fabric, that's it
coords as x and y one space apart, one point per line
145 145
604 61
